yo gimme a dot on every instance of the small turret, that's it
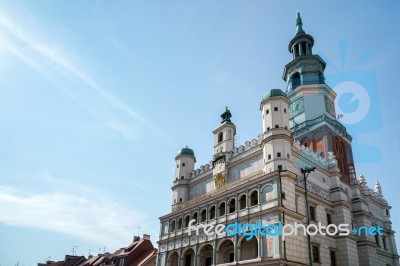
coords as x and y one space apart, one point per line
277 140
184 161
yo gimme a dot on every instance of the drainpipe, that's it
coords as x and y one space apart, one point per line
280 203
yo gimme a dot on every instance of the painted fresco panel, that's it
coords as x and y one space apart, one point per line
245 169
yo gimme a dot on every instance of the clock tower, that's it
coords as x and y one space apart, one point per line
224 141
312 112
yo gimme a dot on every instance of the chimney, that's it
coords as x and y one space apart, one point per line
146 236
136 238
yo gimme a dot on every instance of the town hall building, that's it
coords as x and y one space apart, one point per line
271 179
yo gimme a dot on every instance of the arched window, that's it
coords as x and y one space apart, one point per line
172 226
186 222
211 213
179 224
295 80
220 136
267 193
242 202
232 206
254 198
194 216
222 209
165 228
203 215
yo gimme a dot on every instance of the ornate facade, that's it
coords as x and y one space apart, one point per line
262 182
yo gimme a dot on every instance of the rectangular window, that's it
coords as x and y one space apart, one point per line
268 128
276 126
275 108
377 240
269 156
333 258
312 213
315 253
384 242
329 218
183 164
278 154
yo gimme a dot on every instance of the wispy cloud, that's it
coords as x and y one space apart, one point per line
89 216
59 60
127 130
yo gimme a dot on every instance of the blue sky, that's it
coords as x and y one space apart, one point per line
96 97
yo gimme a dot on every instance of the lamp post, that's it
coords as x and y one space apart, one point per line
306 171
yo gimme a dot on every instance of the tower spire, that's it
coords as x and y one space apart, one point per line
299 24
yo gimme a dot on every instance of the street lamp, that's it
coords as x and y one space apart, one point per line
306 171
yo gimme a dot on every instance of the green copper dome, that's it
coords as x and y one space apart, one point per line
185 151
274 93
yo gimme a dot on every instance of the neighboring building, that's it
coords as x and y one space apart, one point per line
263 181
70 260
139 253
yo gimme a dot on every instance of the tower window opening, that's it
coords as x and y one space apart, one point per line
177 166
284 110
183 164
269 156
278 155
180 199
288 156
182 177
275 108
267 111
276 126
268 128
220 136
303 48
295 80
